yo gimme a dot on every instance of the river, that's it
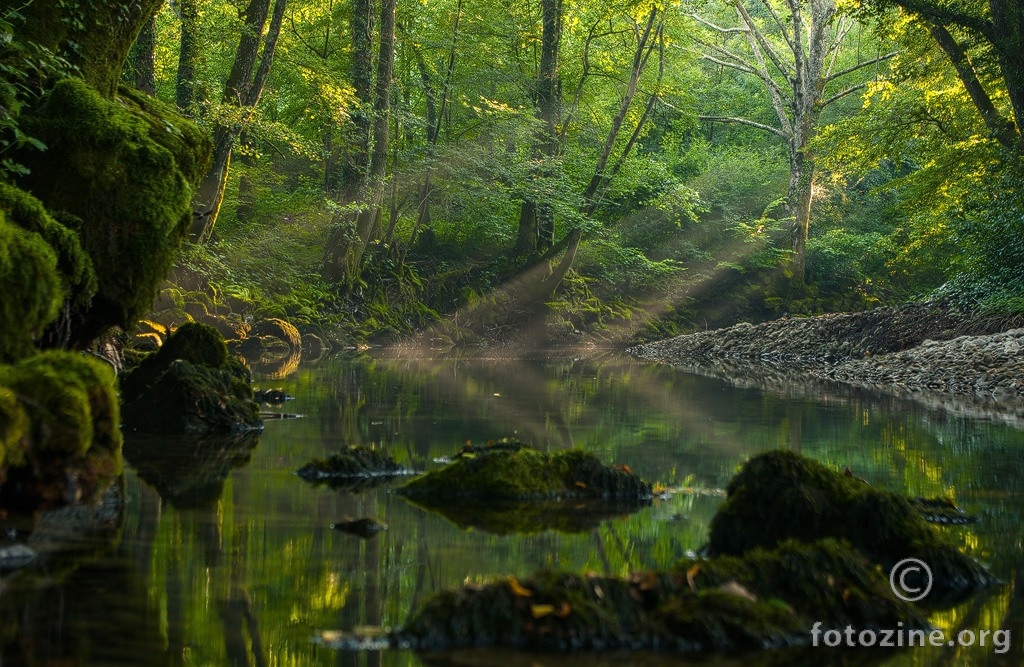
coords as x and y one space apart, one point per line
239 560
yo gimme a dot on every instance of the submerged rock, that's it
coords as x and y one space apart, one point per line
190 386
781 495
353 468
366 527
764 599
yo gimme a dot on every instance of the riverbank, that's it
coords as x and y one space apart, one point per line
923 351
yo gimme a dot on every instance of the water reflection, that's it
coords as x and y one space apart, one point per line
225 556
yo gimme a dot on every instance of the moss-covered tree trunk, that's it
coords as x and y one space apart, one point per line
141 66
95 36
188 55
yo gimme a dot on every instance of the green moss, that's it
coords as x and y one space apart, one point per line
94 377
13 428
524 473
30 286
195 343
765 599
71 403
73 263
59 411
125 168
353 468
782 495
190 386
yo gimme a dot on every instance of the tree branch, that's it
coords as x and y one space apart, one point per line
866 63
745 121
840 95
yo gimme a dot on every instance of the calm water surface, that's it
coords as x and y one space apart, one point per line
226 557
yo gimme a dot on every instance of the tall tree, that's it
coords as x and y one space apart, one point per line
793 50
537 218
345 249
188 55
242 90
141 64
999 24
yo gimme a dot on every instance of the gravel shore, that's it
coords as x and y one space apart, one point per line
914 349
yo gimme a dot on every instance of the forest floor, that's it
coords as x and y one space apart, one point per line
926 351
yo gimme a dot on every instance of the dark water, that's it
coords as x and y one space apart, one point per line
238 560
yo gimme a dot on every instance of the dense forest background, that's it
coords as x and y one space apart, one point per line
623 169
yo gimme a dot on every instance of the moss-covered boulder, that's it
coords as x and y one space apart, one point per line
190 386
354 468
782 495
59 426
123 169
526 517
511 471
74 265
31 288
765 599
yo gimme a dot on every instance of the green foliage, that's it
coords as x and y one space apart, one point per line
990 234
25 70
32 287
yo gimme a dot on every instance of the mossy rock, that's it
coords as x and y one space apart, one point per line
521 473
13 429
279 329
353 468
70 442
31 288
73 264
782 495
765 599
125 169
190 386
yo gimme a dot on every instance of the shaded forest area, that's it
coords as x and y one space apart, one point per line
621 169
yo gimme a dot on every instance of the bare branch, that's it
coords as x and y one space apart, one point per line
716 28
866 63
784 68
840 95
746 121
778 21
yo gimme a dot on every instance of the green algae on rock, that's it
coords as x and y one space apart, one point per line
519 472
782 495
190 386
765 599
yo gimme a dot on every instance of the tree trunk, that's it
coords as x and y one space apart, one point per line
96 36
243 88
344 254
188 55
141 63
536 218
